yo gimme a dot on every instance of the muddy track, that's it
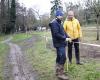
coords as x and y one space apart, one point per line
17 67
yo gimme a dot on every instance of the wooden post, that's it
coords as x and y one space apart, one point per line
67 57
45 41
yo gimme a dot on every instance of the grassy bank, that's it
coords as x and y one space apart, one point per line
3 54
20 37
3 37
43 60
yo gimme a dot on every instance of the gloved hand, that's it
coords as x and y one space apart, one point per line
68 39
80 39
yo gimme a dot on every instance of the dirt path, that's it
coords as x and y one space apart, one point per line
17 68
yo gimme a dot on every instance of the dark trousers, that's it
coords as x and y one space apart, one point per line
61 55
76 46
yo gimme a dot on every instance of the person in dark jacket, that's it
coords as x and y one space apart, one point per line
59 41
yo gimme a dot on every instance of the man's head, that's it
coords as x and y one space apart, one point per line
70 15
59 14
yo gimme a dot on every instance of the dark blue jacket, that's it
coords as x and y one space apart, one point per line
58 34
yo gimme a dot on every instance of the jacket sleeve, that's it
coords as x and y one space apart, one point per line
79 29
55 30
65 26
65 29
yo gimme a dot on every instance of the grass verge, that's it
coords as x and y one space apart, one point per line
43 61
3 54
20 37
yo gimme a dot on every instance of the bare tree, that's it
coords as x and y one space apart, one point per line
78 10
94 7
45 19
37 12
2 15
31 19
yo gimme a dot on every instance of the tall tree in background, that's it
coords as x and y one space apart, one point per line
16 17
8 6
56 5
12 16
94 7
31 19
2 28
78 10
45 19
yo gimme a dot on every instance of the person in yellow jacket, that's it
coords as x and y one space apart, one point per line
73 30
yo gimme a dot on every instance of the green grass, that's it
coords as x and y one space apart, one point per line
43 61
88 71
89 35
3 54
21 36
3 37
16 37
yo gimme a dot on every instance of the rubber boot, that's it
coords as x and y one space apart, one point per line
60 72
57 67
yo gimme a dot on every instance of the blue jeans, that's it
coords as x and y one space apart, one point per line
61 55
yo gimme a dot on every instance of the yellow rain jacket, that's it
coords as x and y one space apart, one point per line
73 29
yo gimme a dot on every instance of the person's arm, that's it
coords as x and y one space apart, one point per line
65 29
55 31
79 29
65 26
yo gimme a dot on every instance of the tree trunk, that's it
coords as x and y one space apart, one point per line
2 15
12 16
98 28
